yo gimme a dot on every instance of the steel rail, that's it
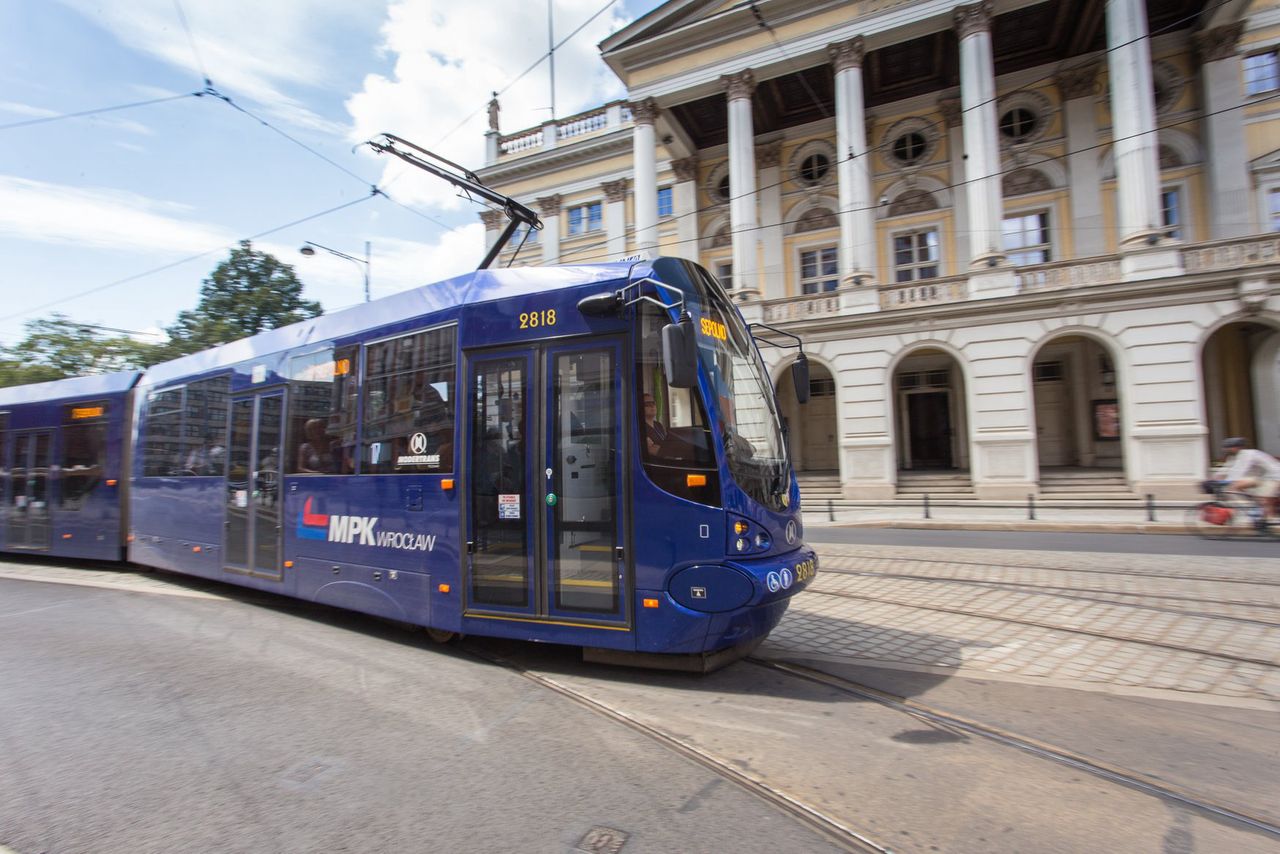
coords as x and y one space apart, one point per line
830 828
1113 773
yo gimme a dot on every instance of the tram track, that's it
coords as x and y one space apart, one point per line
830 828
934 716
827 556
813 591
1071 593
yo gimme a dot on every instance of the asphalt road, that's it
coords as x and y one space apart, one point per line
139 723
226 720
1169 544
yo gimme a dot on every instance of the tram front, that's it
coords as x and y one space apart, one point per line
717 526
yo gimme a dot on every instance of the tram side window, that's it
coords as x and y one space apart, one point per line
162 451
674 433
205 427
83 456
409 404
322 412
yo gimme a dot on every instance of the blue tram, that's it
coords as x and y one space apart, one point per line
63 472
585 455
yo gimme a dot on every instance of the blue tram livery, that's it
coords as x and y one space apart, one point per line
63 466
587 455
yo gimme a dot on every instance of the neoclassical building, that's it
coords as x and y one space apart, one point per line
1023 241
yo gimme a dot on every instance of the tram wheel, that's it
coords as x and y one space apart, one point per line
440 635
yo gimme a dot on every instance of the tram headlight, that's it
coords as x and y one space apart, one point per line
742 544
740 527
762 541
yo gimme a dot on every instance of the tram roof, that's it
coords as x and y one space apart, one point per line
475 287
72 387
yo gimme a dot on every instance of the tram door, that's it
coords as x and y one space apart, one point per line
29 490
544 476
253 485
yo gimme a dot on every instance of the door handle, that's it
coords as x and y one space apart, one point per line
619 553
471 547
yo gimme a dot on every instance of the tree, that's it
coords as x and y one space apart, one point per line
59 347
248 293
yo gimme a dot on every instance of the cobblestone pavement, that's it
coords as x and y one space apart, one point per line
1210 626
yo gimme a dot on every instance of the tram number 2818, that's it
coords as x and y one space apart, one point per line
534 319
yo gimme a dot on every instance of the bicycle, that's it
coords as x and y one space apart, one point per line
1230 514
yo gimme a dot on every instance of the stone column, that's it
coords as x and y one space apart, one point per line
615 217
645 153
981 146
857 216
1135 145
549 211
1231 210
493 224
742 182
1077 86
1133 112
773 272
684 204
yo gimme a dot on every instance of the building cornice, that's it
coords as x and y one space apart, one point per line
1187 289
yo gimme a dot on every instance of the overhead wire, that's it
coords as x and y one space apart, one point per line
163 267
97 111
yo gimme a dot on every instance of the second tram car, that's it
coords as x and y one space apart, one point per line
585 455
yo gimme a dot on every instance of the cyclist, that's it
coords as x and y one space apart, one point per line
1249 469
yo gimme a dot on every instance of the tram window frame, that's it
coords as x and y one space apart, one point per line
689 445
157 446
197 448
79 477
399 379
337 367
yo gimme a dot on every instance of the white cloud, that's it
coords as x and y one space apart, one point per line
100 217
449 57
248 48
395 265
26 110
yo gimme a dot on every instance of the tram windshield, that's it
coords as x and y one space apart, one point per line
750 428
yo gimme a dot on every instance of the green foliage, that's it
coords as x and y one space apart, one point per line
59 347
248 293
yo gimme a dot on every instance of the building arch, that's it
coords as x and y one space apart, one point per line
1077 379
814 427
1172 143
713 235
810 214
940 192
928 393
1238 364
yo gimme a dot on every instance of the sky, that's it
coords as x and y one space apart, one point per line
115 218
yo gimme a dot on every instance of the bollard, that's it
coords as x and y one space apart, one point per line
926 506
831 510
1031 507
1151 507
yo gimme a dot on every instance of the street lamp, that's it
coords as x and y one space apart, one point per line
309 249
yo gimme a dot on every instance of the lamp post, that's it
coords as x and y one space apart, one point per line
309 248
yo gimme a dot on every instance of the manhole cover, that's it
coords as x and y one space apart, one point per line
602 840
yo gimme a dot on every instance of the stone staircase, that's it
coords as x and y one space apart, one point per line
821 489
1077 484
949 485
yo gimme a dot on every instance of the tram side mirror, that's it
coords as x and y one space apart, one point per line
800 377
680 353
600 305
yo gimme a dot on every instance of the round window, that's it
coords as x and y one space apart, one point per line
722 189
814 168
1018 123
909 147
